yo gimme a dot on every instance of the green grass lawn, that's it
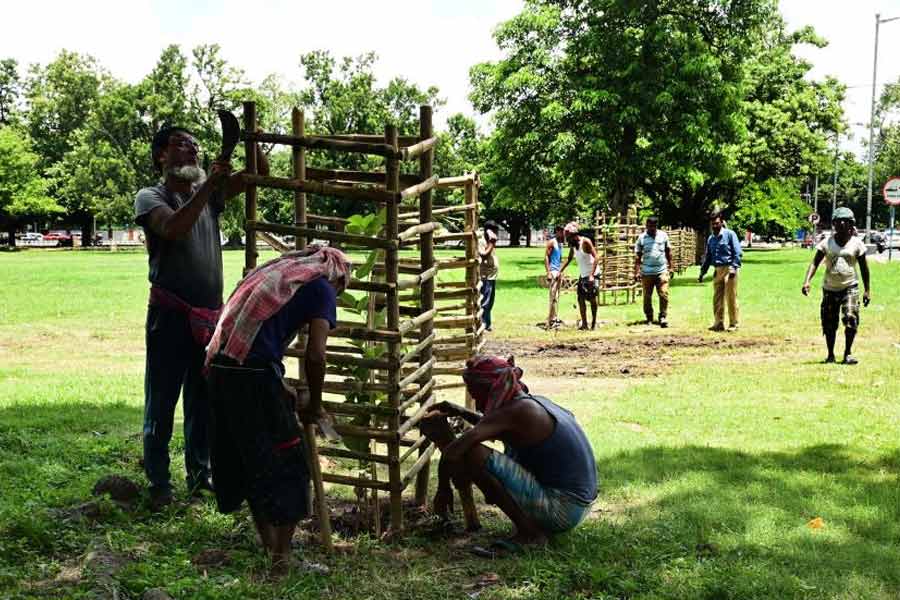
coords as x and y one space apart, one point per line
714 451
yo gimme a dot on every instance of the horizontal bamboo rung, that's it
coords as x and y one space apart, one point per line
371 433
454 322
334 236
417 190
342 387
326 189
321 143
403 140
274 242
449 386
423 391
455 181
357 176
336 358
356 409
344 453
417 349
356 481
416 417
424 276
415 375
418 149
413 446
346 329
424 459
415 323
417 230
448 370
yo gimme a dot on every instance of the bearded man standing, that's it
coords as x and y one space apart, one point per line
180 217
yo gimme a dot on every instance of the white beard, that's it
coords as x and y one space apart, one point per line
187 173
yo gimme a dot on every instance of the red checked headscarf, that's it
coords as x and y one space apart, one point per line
492 381
266 289
571 228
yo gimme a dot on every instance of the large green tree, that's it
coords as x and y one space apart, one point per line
10 91
680 103
23 189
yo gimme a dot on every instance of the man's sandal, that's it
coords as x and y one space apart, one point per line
498 549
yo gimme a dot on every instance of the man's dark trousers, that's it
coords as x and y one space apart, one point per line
174 359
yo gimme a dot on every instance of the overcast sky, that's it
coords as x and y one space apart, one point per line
429 42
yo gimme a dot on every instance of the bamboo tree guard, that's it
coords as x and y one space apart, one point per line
405 372
615 246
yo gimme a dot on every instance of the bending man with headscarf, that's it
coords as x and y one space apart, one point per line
546 479
255 445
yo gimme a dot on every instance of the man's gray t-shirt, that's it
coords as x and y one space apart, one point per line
190 268
652 251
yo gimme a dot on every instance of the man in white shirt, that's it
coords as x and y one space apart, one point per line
840 288
652 261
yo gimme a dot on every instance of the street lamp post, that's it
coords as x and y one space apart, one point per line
878 22
837 149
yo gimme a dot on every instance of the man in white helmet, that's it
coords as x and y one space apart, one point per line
840 288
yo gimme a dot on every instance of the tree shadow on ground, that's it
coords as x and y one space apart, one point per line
721 523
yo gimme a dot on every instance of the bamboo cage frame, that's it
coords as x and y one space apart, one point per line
414 336
615 239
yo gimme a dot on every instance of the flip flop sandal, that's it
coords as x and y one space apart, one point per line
498 549
849 360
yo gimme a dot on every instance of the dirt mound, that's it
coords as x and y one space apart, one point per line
631 356
119 488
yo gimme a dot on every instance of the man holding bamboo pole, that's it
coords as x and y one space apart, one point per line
180 217
256 446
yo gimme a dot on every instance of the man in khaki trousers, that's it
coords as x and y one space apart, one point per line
723 251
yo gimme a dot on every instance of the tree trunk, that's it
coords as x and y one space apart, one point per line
528 237
514 227
87 230
11 232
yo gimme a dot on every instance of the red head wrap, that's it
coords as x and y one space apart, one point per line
492 381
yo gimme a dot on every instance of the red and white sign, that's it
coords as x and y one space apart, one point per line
892 191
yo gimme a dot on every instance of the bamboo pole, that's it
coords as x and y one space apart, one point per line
391 184
426 261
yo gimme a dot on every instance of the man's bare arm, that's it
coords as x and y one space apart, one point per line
235 183
864 271
176 224
811 270
314 363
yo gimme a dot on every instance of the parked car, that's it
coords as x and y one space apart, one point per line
31 236
61 239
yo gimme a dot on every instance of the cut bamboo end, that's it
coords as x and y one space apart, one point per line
415 150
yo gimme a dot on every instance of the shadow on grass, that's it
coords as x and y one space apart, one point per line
720 523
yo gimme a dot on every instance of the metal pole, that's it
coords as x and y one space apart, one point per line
837 147
878 22
871 134
891 239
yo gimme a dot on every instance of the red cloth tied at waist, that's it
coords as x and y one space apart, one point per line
202 320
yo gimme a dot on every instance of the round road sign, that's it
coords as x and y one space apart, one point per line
813 218
892 191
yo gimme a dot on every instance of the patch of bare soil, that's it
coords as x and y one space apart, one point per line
626 356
